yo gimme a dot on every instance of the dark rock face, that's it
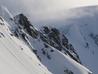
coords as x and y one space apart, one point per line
46 30
26 25
53 37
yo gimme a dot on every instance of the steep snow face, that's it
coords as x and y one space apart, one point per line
85 45
56 61
82 33
15 56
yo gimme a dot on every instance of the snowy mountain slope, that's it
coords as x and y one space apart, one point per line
15 56
52 36
30 54
56 61
86 48
81 30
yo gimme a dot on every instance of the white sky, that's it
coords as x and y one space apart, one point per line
44 9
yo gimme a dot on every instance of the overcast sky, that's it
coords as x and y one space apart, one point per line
44 9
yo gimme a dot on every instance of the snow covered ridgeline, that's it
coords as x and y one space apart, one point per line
25 39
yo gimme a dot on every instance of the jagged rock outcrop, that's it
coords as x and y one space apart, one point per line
55 38
52 36
24 24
